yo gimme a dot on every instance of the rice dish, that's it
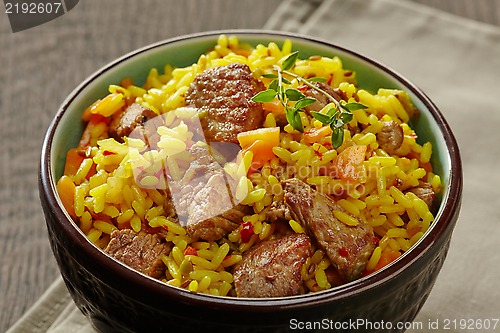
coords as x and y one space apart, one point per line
191 179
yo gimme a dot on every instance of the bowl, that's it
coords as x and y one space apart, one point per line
116 298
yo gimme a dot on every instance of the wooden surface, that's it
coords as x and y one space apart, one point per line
27 266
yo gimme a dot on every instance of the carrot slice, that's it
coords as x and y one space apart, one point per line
66 189
73 161
345 164
270 135
260 142
386 258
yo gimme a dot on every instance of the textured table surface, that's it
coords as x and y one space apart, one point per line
40 66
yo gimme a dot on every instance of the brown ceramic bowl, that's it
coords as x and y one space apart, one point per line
116 298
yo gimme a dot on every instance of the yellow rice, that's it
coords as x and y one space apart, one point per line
116 189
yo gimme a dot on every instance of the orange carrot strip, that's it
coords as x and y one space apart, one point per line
73 161
66 189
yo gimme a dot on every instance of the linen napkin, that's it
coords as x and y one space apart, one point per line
456 62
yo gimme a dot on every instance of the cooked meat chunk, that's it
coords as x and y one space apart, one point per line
321 99
203 198
207 204
272 268
279 212
168 205
85 140
348 247
128 120
390 136
202 164
223 97
141 251
425 192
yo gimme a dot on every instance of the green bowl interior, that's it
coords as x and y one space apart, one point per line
183 52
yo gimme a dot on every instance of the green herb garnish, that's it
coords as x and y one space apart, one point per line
336 118
294 101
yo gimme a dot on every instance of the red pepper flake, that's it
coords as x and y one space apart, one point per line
246 231
318 153
190 251
124 225
149 229
302 88
343 252
396 183
97 118
107 153
329 80
376 240
101 216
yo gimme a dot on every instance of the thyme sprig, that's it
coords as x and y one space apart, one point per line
294 101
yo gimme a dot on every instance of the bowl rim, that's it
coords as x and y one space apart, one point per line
440 225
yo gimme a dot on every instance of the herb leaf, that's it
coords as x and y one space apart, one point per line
337 136
264 96
353 106
273 85
293 118
333 112
293 100
302 103
298 122
346 117
294 94
289 61
317 79
325 119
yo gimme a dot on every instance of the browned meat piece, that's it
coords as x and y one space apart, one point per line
201 168
390 137
321 99
236 213
202 165
203 198
128 120
425 192
348 247
272 268
223 97
141 251
206 205
168 204
279 212
85 140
